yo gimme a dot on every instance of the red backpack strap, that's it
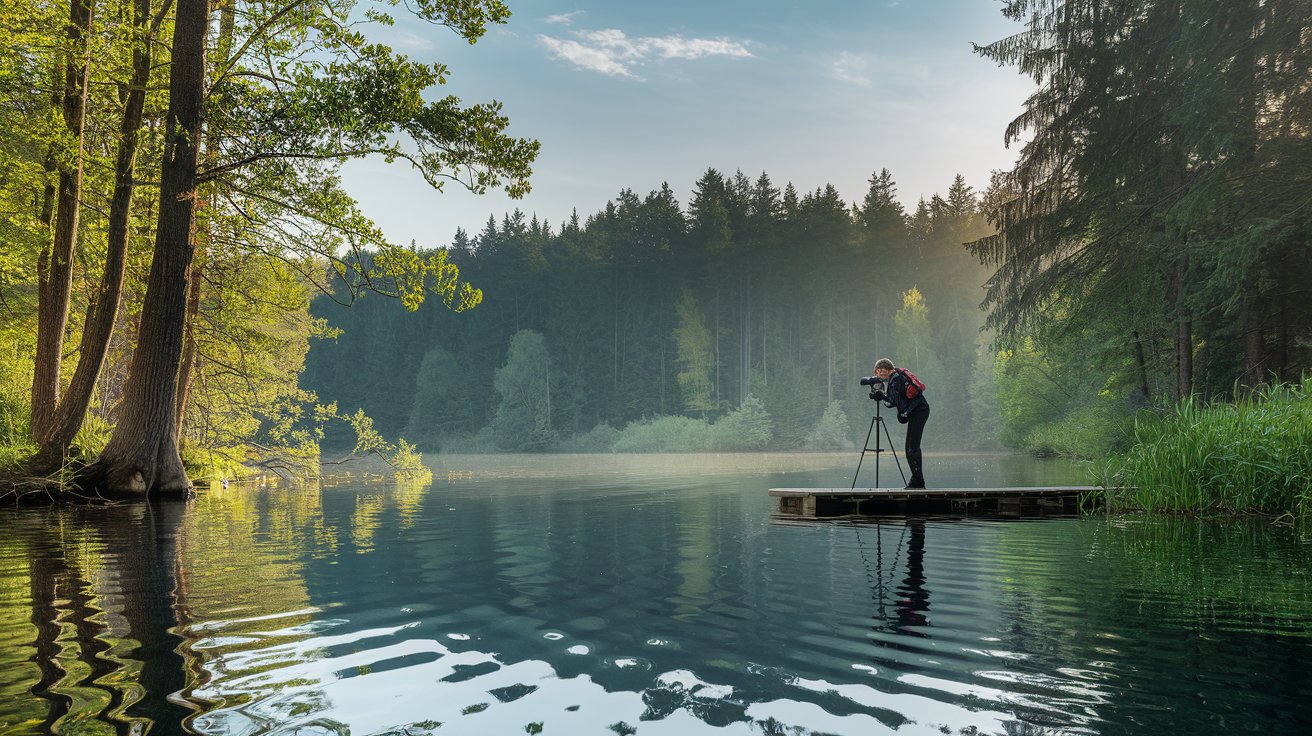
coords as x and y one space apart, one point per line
914 385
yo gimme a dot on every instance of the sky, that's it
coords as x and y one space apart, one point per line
636 94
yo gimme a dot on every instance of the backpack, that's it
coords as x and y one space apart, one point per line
914 385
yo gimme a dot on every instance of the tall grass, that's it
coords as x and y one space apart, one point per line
1252 455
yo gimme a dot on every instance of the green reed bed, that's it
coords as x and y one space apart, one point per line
1252 455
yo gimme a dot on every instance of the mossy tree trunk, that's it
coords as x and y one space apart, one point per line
102 308
142 455
55 265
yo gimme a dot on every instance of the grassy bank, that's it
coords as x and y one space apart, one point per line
1252 455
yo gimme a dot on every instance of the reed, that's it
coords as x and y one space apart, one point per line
1250 455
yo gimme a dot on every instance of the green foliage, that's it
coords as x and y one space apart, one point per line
1051 408
832 432
744 429
1254 454
984 401
914 338
251 344
666 434
693 343
415 274
94 434
338 95
17 345
793 401
601 438
442 405
1028 396
408 464
523 418
1086 430
12 456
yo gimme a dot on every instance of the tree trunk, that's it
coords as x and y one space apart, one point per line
747 308
829 358
1184 351
1184 344
55 267
103 307
47 215
1255 357
187 370
1142 364
142 455
717 348
201 235
1280 351
765 341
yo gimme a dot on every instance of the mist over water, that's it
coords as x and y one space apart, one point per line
646 594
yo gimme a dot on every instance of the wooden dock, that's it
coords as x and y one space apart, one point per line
818 503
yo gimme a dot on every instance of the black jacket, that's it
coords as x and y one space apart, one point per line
897 396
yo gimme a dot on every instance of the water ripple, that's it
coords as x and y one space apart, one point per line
643 599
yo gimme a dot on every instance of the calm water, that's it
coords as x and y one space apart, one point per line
648 595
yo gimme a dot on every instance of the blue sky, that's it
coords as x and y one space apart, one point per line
630 95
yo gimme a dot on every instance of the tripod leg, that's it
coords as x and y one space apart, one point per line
879 450
865 446
891 448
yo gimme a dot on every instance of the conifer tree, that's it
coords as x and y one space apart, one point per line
693 342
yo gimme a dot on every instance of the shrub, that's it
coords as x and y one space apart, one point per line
665 434
480 443
746 428
1087 432
601 438
832 431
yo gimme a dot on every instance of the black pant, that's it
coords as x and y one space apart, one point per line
915 428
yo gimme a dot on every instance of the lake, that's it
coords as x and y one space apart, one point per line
644 595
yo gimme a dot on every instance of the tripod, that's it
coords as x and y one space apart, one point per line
878 449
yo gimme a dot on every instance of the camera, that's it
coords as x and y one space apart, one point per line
878 387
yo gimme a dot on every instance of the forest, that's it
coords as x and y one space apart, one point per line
743 321
177 242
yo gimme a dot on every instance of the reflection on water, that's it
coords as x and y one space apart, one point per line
648 595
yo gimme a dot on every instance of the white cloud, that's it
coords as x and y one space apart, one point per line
677 47
853 69
610 51
597 59
563 18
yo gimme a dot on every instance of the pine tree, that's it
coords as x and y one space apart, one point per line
523 418
1165 166
693 341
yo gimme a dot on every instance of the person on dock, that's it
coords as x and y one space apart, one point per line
907 394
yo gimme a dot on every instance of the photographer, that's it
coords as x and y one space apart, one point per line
913 412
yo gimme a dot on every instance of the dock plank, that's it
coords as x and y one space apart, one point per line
1017 500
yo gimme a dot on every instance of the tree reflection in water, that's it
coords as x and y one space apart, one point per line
103 586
